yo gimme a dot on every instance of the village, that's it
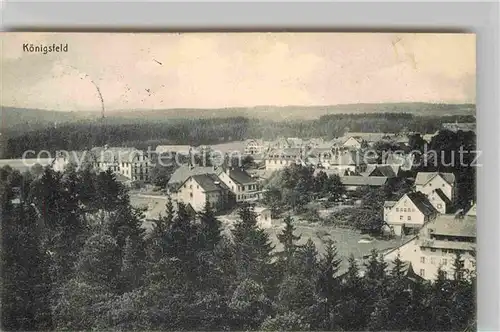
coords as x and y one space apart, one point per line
423 225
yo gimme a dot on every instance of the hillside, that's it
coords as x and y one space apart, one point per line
22 119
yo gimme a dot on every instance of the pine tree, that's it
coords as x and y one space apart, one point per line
211 228
24 264
288 240
351 309
328 283
253 247
133 264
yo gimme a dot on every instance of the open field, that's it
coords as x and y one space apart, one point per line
347 240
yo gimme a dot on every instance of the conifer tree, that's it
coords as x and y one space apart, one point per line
351 310
252 247
288 239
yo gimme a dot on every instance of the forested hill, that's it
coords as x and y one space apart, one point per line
22 119
146 133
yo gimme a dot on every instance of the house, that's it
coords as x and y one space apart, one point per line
242 185
255 147
472 210
464 126
295 142
184 172
352 183
174 149
388 205
440 201
278 159
197 190
78 158
345 160
131 163
352 143
264 219
426 182
135 165
381 170
319 156
409 214
436 246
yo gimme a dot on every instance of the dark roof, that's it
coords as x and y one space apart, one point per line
422 203
375 181
182 173
210 182
240 176
384 170
443 196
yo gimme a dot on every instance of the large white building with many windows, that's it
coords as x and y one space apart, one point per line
437 244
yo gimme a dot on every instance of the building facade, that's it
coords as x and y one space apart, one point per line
437 244
409 214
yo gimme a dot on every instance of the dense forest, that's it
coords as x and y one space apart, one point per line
147 133
74 257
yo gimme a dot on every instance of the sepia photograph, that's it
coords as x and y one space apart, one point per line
238 181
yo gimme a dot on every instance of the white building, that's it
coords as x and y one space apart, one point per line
244 187
264 219
409 214
202 188
278 159
440 201
437 244
426 182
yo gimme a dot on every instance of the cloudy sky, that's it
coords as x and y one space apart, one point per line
211 70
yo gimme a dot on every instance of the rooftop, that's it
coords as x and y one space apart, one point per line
451 225
422 203
375 181
424 177
210 182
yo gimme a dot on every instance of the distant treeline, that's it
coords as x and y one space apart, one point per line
116 132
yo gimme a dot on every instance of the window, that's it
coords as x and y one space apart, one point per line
433 249
400 217
409 218
191 195
445 261
191 186
443 185
422 260
397 209
422 272
433 261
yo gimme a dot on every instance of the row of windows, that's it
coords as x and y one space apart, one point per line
402 218
422 273
430 185
405 210
444 261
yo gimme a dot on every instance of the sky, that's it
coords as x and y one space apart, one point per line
216 70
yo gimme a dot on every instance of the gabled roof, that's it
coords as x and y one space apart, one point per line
472 210
287 153
424 177
173 148
113 154
182 173
209 182
389 204
375 181
383 170
451 225
443 196
347 158
240 176
422 203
